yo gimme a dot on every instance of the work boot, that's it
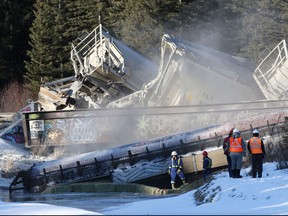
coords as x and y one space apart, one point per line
233 173
184 182
230 174
238 174
173 186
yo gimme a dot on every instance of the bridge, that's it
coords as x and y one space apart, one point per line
144 159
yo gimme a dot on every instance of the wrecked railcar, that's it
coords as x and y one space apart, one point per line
109 74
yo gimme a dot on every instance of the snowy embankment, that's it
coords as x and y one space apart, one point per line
222 196
13 158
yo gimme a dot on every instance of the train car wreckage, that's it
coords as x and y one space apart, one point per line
193 94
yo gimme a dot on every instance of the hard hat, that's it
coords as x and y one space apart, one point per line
231 131
205 153
235 131
174 153
255 131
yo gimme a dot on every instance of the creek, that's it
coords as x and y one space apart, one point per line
96 202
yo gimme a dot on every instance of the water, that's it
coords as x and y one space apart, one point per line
89 201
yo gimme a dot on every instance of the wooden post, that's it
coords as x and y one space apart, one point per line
181 147
61 173
147 153
79 170
113 162
45 177
131 162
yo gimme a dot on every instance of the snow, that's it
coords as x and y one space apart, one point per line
40 209
227 196
245 196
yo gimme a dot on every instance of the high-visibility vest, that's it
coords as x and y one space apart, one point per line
178 163
236 144
255 145
209 165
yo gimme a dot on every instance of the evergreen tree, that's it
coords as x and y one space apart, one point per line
15 18
81 15
211 23
114 13
57 24
4 44
264 25
41 56
140 23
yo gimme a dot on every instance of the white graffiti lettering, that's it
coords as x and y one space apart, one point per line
83 131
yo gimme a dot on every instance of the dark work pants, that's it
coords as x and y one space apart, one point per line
257 165
229 165
206 173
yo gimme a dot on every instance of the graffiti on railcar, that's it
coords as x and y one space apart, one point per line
160 125
83 130
67 131
15 135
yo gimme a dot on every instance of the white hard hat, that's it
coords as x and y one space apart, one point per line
235 131
255 131
174 153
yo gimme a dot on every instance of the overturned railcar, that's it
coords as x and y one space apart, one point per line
191 74
105 70
271 74
110 74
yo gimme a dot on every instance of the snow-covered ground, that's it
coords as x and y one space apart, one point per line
246 196
13 157
40 209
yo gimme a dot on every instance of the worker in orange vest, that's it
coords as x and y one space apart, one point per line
237 149
257 150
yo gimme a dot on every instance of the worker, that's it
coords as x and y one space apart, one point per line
207 164
176 168
237 149
257 150
226 152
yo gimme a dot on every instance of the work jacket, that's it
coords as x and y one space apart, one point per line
236 145
225 144
256 146
176 164
207 163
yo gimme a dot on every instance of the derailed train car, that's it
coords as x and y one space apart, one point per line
105 70
110 74
191 74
